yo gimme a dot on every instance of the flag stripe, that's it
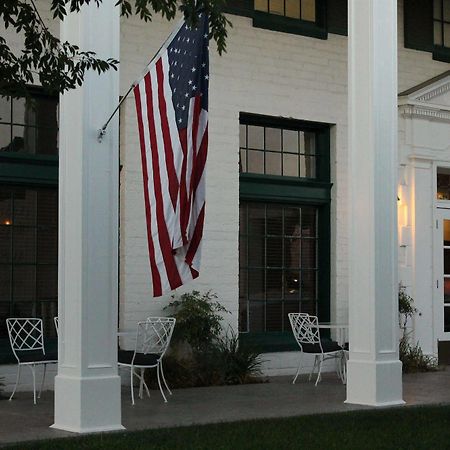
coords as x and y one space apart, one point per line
151 250
170 266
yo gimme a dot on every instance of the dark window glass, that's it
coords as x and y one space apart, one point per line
29 126
28 254
443 184
278 264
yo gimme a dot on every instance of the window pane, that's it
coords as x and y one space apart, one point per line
447 35
255 161
274 314
273 163
274 220
443 184
446 290
437 33
256 317
47 246
446 10
243 322
47 214
256 284
307 166
273 139
308 251
274 252
22 115
290 165
292 253
48 310
256 256
256 219
47 282
5 207
293 8
308 284
5 109
5 312
243 218
46 141
276 7
274 284
5 283
261 5
25 207
24 245
290 141
242 136
24 283
292 222
437 9
24 139
309 221
255 137
309 10
243 161
5 138
5 244
446 319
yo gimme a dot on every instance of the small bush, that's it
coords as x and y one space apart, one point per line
210 358
413 358
198 319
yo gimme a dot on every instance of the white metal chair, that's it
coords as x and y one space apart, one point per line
27 343
56 322
152 340
307 334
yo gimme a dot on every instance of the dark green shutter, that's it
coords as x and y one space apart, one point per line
419 24
337 20
240 7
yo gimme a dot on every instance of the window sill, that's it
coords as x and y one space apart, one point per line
288 25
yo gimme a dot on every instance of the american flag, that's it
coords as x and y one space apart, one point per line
172 111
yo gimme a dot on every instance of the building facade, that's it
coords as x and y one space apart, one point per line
276 229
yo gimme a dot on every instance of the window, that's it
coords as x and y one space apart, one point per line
443 184
28 211
278 245
29 125
284 237
441 23
296 9
427 27
277 151
307 17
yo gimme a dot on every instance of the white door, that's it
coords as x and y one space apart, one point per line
442 275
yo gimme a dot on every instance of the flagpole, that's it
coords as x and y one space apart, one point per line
102 130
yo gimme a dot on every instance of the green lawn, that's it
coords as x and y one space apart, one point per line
397 428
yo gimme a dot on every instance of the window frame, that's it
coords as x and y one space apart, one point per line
301 191
441 52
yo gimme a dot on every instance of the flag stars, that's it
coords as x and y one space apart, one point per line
193 69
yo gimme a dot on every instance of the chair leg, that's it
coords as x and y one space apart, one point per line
42 382
141 384
313 367
32 368
320 369
131 383
164 378
159 382
17 382
298 369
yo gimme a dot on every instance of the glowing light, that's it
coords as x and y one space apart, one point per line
7 222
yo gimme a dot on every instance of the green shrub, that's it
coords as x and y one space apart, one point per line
198 319
411 356
211 358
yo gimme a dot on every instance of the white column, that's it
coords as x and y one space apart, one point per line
374 370
87 387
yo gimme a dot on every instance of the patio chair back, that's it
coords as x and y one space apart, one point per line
154 334
56 322
305 329
25 334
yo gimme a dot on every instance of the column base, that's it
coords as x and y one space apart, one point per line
374 383
87 404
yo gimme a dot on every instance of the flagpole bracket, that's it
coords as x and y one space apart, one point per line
101 134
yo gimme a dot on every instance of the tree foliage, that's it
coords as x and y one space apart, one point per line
60 66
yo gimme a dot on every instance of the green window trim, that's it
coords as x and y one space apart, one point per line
25 169
441 54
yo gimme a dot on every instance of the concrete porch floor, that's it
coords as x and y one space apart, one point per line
22 421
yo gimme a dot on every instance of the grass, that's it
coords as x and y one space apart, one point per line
396 428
